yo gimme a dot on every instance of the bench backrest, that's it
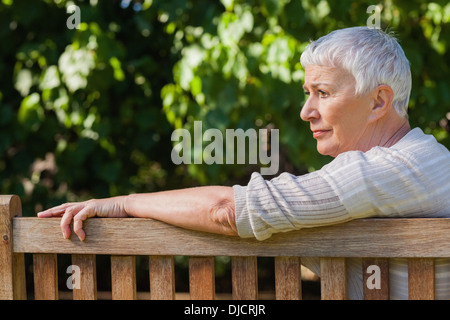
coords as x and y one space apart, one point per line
375 240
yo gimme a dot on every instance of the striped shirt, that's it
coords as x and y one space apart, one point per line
408 179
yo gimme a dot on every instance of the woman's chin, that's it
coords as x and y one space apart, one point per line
326 150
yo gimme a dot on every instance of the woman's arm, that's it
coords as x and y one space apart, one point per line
209 209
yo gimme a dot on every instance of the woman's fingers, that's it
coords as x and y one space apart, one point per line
65 225
69 213
80 211
83 214
55 212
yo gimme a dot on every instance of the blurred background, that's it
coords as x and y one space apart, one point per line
89 112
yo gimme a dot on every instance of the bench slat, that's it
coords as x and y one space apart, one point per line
244 278
333 279
201 278
12 265
288 280
387 238
88 278
123 277
421 279
45 269
162 278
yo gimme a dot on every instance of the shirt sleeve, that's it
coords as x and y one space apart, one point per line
285 203
382 182
354 185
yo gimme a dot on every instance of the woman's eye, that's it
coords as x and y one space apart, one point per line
323 94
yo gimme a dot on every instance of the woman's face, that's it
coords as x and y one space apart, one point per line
338 118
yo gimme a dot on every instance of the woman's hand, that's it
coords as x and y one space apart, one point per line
80 211
209 209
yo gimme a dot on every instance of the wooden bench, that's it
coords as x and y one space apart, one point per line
376 240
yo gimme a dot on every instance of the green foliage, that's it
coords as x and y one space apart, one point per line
89 112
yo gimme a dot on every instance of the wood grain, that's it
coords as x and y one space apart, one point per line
162 278
201 278
421 279
123 277
288 278
133 236
333 279
88 278
244 278
45 269
12 265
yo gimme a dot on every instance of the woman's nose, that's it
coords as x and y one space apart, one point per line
309 111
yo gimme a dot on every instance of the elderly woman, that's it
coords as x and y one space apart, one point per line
358 83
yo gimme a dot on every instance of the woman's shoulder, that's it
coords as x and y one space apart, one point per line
417 138
422 147
416 149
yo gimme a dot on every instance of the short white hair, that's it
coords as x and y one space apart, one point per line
372 56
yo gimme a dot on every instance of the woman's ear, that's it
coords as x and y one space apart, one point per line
382 102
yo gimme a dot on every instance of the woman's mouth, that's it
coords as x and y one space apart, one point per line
320 133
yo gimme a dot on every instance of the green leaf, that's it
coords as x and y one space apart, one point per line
31 113
50 78
23 82
75 67
117 67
